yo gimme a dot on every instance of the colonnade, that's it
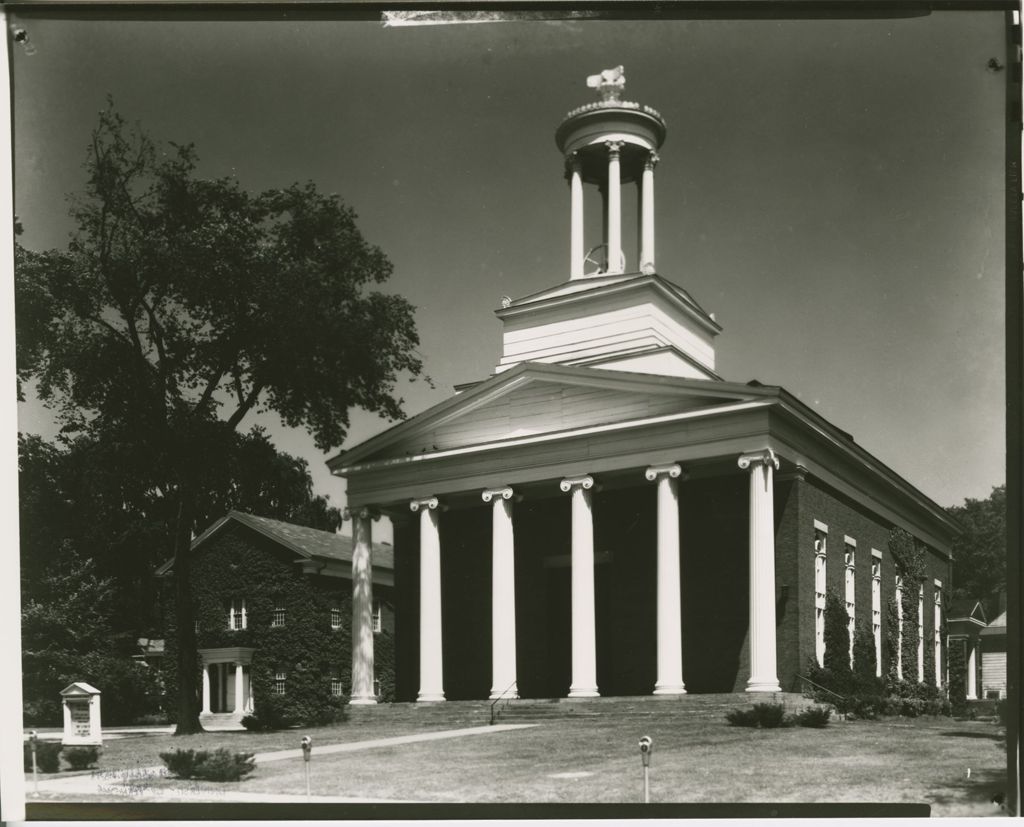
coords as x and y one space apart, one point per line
763 670
241 702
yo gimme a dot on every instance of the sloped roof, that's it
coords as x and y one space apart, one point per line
302 540
966 608
996 627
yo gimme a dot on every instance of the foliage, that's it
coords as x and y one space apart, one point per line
47 756
957 678
911 699
67 637
79 758
837 636
815 717
864 655
979 549
218 765
763 715
891 639
909 556
183 304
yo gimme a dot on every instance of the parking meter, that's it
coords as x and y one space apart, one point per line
307 753
33 739
646 745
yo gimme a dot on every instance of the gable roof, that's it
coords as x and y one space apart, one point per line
966 609
306 542
996 627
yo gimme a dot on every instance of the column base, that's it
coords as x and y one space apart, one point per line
669 689
510 695
763 685
584 692
362 701
429 697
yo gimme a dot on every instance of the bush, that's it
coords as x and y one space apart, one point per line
79 758
911 700
219 765
47 756
765 715
957 679
815 717
741 717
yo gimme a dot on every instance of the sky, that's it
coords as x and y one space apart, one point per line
831 190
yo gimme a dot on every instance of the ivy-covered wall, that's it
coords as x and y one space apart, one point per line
240 563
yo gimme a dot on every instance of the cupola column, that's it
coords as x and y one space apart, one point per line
503 594
614 216
431 664
584 636
576 242
647 214
763 661
362 605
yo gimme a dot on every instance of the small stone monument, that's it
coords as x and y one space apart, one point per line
81 715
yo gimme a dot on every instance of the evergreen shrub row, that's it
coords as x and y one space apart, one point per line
48 755
773 716
219 765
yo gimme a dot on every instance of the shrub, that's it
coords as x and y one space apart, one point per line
219 765
957 679
742 717
770 716
79 758
47 756
837 637
815 717
864 655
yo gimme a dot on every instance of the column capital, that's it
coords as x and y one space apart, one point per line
613 148
430 503
567 485
572 163
673 470
651 160
765 457
504 493
366 512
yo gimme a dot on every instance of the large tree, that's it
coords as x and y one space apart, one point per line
979 550
183 304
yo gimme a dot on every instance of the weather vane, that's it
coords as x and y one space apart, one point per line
608 83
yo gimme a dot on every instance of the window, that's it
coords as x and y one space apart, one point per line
279 681
899 627
278 618
937 633
850 556
335 684
335 618
820 555
195 626
376 616
876 608
237 618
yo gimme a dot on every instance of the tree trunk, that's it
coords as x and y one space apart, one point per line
188 671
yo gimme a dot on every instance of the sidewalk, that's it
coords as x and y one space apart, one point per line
136 784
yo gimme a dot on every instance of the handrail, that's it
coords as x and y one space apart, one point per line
822 688
501 696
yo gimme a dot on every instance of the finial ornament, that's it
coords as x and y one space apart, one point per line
608 83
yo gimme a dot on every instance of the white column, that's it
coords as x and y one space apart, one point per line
362 606
670 641
763 674
503 594
584 635
431 665
239 695
206 689
576 251
647 215
972 672
614 208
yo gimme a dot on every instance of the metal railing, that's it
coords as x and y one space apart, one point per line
501 697
826 690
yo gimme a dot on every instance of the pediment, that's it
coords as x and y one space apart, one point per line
533 399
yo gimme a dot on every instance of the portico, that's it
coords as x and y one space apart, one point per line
226 680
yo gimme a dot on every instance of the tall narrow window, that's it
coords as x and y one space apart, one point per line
820 558
937 633
335 684
851 562
277 618
376 616
280 678
335 618
920 632
899 627
876 607
237 617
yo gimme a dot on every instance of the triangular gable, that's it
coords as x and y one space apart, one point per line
79 689
535 398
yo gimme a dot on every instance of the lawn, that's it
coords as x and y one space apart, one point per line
597 760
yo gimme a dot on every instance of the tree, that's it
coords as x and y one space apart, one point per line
181 305
979 549
837 638
865 659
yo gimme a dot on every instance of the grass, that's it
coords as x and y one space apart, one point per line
694 760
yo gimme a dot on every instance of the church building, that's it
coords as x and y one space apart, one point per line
607 515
